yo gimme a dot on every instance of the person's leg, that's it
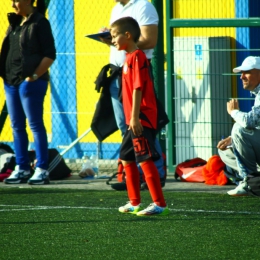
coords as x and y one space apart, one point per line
127 157
18 121
32 96
160 162
159 165
247 144
132 183
228 157
231 169
246 148
153 182
117 106
145 154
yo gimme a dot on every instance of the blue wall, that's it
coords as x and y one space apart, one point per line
246 39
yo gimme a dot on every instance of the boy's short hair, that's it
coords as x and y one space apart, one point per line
128 24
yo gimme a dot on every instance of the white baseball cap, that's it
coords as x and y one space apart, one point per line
249 63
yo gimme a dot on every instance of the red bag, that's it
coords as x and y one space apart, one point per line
191 170
213 172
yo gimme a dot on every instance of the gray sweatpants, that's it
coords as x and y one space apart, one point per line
247 143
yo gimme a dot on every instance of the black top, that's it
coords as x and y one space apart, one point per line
14 59
34 43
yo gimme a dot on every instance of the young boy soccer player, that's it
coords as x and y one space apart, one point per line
140 110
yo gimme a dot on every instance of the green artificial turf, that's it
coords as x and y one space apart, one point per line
76 224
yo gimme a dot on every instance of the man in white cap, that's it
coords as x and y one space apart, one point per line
244 155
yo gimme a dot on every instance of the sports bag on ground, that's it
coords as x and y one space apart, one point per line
7 164
191 170
58 169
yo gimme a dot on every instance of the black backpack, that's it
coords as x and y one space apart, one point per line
58 169
253 184
5 148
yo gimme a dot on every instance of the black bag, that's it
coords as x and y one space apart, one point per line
5 148
103 122
162 117
253 184
58 169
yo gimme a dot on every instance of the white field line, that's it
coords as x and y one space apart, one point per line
25 207
29 207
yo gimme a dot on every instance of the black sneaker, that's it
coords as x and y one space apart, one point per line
39 177
145 187
18 176
119 186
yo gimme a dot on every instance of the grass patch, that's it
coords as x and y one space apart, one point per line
77 224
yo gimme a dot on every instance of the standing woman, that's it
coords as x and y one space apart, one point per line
28 50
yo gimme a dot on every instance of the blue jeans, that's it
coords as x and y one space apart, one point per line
117 106
120 121
26 101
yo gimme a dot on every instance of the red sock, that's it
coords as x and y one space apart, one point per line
153 182
133 183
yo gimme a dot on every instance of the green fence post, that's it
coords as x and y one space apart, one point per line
158 60
170 86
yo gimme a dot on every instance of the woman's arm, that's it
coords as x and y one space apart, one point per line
42 68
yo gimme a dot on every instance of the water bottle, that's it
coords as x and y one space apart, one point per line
86 170
84 160
94 163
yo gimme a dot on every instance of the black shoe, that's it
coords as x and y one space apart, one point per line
119 186
145 187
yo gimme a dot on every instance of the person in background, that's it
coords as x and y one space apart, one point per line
140 109
243 156
28 51
146 15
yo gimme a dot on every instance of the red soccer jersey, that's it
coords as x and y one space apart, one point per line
136 75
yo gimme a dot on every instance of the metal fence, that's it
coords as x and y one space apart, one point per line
205 40
71 98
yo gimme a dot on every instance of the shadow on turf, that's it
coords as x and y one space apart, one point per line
137 219
37 191
190 217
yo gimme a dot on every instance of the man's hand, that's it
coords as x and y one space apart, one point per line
222 145
103 29
232 105
106 40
